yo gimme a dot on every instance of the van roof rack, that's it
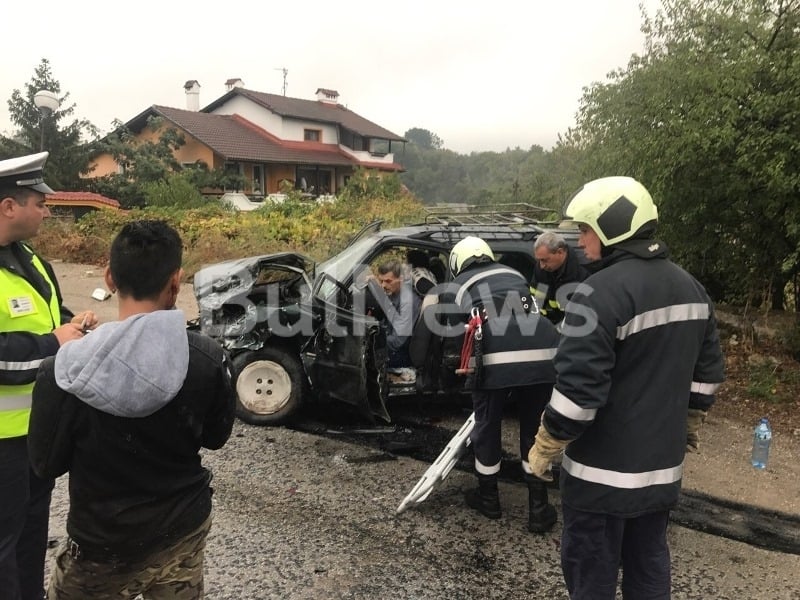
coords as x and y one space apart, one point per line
518 213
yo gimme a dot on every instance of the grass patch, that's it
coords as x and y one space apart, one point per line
773 381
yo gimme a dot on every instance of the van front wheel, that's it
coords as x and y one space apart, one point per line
269 386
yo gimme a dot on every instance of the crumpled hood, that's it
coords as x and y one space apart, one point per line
127 368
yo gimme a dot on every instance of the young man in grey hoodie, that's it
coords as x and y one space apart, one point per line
126 410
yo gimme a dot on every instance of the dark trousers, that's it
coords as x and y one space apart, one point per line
594 545
398 359
488 406
24 516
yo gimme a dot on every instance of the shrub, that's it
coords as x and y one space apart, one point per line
212 232
177 191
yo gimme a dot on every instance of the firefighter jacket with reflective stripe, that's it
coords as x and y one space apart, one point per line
517 345
30 308
546 286
639 348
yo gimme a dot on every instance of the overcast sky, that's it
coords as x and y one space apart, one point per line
485 75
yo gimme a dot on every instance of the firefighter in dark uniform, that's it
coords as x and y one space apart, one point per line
513 356
33 324
637 368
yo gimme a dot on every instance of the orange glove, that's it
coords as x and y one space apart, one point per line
694 421
545 448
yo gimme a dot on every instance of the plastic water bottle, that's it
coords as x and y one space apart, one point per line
762 439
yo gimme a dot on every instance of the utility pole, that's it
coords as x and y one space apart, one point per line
285 72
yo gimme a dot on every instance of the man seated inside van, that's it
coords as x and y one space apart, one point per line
399 318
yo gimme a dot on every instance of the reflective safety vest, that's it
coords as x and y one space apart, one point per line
22 308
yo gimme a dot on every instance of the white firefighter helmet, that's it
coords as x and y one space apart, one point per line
614 207
468 251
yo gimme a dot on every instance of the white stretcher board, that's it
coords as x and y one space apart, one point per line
441 467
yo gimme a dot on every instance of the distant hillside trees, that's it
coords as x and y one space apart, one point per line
437 175
424 139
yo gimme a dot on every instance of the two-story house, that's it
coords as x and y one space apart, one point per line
270 140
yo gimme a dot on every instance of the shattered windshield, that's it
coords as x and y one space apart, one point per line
341 267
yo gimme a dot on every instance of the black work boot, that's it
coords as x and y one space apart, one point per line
485 498
541 514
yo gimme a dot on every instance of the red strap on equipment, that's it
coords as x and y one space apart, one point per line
473 327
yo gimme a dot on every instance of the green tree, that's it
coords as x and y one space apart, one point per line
68 144
424 138
149 169
709 120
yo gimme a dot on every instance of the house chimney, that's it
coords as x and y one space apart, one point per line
327 96
192 88
233 83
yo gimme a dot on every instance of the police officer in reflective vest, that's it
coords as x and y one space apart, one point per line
512 357
637 368
31 329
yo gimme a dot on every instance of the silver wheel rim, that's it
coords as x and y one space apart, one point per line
264 387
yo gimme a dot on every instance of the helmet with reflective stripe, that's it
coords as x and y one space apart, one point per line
467 251
616 208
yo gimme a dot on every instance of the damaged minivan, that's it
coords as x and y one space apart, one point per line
301 333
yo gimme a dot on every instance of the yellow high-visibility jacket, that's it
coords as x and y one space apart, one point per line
30 308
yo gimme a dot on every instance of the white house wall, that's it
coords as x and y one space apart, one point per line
289 129
254 113
293 130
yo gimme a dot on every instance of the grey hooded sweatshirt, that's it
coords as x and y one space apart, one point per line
127 368
126 410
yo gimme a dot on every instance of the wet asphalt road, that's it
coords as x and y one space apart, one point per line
303 516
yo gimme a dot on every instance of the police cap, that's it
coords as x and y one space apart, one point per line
24 172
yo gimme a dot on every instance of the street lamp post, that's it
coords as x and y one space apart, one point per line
47 102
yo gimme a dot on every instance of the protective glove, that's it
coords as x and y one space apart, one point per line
545 448
694 420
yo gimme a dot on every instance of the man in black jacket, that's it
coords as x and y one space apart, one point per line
637 368
126 410
556 266
512 358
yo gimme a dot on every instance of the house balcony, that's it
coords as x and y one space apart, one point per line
370 157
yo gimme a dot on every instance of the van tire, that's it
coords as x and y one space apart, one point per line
269 386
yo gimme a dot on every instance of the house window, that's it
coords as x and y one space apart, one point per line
314 181
379 148
312 135
234 176
258 180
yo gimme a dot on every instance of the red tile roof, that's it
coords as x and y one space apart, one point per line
311 110
80 198
236 138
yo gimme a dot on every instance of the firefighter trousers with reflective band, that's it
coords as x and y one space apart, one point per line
24 518
594 545
486 435
173 573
